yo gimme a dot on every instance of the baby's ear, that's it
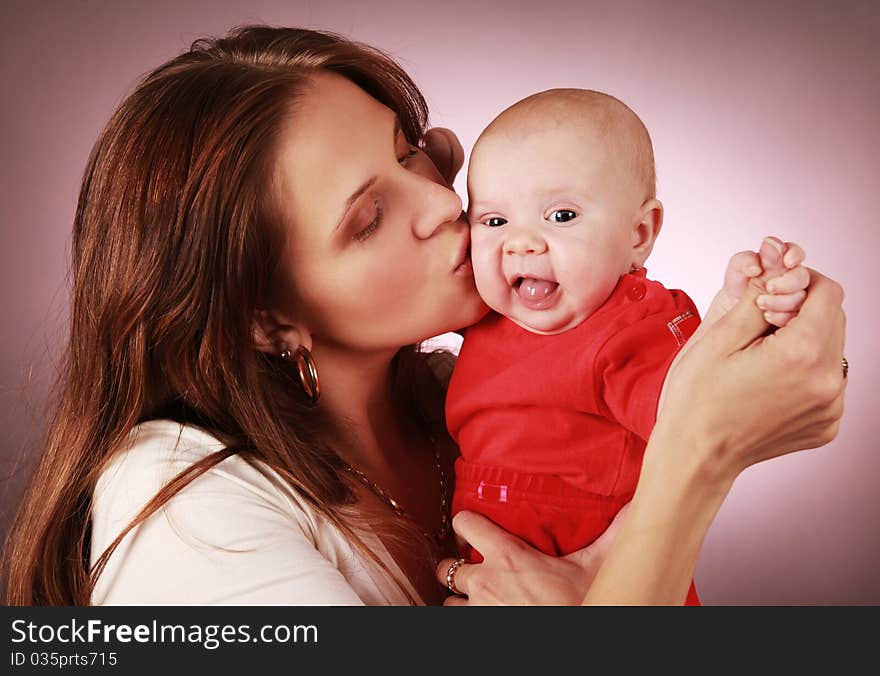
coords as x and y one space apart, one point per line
645 230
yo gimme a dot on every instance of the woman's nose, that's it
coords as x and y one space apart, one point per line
523 241
435 205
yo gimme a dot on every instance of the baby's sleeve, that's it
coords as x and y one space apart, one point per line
631 366
229 537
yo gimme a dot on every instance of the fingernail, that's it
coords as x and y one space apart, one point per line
772 286
788 259
775 243
762 302
753 270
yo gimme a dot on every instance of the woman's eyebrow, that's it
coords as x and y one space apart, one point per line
366 185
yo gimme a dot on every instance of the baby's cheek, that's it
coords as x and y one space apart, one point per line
589 285
483 251
486 262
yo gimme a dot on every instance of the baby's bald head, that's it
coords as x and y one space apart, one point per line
561 205
620 129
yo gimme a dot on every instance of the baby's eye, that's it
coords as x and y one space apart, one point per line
495 222
562 216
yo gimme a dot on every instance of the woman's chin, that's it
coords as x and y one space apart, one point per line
480 311
470 311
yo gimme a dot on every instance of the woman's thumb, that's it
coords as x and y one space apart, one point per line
742 324
603 542
591 557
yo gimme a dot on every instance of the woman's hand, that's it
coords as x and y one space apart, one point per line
445 151
743 396
737 397
515 573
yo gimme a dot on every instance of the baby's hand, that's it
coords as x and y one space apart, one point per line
785 280
777 268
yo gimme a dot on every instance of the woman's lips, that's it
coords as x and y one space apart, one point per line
535 293
462 264
465 267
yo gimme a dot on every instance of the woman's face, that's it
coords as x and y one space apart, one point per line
376 253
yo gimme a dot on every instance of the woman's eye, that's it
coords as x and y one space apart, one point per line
562 216
495 222
409 155
361 235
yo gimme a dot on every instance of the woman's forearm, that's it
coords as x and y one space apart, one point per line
653 557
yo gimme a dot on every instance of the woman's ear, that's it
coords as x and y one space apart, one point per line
273 334
645 230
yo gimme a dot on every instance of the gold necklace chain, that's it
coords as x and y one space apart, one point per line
386 497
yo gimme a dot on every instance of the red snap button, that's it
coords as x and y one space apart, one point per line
636 292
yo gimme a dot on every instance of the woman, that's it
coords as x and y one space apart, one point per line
259 244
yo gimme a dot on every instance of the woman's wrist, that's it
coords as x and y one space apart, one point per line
690 457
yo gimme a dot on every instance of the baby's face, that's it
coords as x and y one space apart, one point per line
551 225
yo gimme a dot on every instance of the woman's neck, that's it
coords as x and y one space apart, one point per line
391 452
356 388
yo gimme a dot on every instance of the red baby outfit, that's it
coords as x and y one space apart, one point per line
552 429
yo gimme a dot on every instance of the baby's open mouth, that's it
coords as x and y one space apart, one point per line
534 292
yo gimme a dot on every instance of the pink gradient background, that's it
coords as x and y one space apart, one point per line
764 120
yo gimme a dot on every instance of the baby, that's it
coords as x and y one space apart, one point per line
556 392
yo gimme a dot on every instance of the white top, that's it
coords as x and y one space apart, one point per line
232 536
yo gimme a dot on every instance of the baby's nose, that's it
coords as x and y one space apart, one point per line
523 242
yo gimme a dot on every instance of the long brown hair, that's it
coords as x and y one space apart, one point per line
173 249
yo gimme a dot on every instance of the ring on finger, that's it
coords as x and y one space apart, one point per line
450 576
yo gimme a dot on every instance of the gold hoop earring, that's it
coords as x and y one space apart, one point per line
308 372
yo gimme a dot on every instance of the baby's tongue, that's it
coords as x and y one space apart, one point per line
532 289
